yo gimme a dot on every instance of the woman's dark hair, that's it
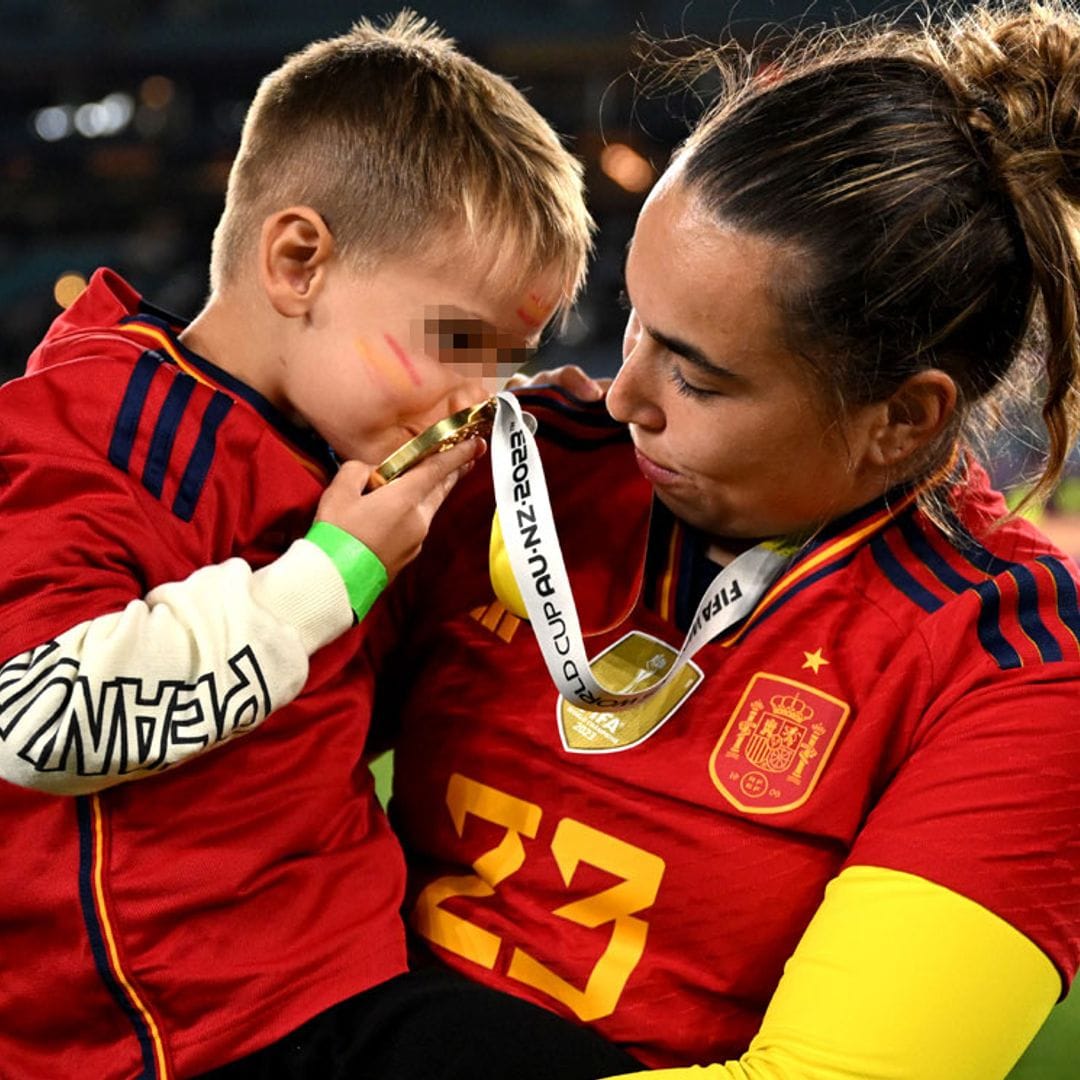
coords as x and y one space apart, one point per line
927 180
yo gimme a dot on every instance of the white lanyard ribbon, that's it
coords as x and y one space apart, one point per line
528 530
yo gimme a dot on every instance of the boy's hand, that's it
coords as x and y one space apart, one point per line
393 520
569 377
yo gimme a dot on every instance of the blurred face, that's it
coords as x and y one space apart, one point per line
728 426
388 353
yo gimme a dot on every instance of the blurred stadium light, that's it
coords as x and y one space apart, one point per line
119 120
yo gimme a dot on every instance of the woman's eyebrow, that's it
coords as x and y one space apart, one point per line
690 353
681 348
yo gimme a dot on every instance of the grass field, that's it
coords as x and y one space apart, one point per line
1054 1055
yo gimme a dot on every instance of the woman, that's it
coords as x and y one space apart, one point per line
847 841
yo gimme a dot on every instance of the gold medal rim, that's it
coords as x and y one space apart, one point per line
468 423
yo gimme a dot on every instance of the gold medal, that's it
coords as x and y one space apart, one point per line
474 422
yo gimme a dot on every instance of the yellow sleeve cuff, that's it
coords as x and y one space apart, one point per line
897 978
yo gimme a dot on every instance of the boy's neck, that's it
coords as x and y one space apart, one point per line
232 332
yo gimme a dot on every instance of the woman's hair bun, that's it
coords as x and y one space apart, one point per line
1017 69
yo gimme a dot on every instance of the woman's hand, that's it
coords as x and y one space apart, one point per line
569 377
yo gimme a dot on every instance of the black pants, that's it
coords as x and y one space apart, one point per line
434 1025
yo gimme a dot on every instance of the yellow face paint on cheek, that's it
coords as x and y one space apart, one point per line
386 365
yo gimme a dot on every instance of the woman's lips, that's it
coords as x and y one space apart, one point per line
653 472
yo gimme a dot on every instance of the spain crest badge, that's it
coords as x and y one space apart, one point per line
776 744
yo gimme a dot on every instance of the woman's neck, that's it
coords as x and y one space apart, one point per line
723 549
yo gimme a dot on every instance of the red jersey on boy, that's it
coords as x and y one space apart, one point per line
173 923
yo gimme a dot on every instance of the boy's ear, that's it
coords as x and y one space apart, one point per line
912 418
294 249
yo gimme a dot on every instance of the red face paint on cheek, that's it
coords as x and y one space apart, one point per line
403 359
534 311
379 360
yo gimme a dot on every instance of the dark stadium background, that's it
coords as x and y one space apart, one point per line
118 121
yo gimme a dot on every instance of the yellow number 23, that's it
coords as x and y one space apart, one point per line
573 843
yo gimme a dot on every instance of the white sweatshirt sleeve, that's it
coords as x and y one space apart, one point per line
192 665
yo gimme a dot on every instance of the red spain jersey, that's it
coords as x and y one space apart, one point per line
901 697
170 924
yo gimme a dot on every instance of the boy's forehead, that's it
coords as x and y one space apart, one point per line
517 297
440 312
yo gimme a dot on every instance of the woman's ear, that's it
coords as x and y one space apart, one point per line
913 417
295 246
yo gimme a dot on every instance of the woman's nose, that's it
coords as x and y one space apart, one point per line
631 398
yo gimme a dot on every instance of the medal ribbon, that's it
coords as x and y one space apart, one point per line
532 544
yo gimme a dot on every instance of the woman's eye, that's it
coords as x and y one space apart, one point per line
688 388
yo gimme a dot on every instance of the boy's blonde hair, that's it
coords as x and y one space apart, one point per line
399 141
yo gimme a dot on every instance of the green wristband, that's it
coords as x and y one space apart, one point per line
360 568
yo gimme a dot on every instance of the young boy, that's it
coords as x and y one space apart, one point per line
174 897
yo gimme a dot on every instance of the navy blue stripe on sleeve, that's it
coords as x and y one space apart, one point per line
127 420
1067 605
935 563
1028 614
980 557
900 577
168 421
202 456
989 627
